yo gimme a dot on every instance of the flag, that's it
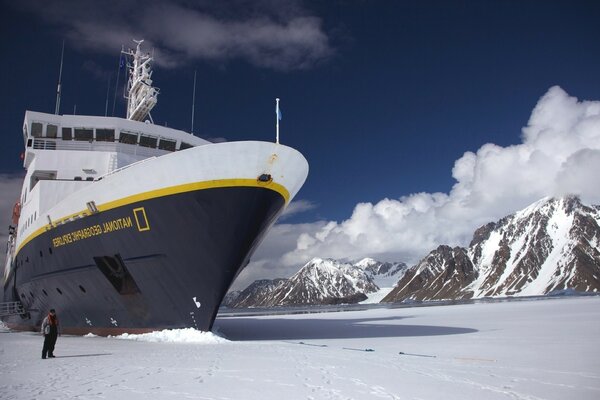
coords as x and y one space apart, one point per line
121 61
278 112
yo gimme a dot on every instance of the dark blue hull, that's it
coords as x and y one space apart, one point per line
163 262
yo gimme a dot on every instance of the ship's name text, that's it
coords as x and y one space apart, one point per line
91 231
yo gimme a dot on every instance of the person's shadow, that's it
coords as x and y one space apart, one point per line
85 355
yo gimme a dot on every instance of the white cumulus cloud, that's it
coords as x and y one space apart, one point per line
559 154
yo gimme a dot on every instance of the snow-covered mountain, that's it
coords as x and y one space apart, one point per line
554 244
253 295
324 281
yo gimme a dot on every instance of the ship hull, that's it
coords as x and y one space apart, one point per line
152 246
162 262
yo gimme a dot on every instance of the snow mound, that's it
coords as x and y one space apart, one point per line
90 335
187 335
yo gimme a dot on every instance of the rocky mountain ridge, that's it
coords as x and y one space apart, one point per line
554 244
322 281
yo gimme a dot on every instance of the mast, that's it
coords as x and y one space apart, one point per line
62 55
141 95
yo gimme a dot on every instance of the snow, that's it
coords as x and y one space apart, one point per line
189 335
376 297
521 349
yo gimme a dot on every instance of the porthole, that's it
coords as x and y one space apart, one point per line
50 250
31 294
58 290
41 254
44 291
82 289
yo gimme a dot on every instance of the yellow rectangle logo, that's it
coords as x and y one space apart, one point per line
140 219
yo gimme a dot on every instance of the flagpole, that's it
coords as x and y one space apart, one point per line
193 103
277 118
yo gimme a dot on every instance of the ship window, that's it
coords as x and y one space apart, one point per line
51 131
44 291
36 129
185 145
148 141
114 269
84 134
82 289
89 178
59 291
128 138
67 133
29 142
105 135
169 145
77 178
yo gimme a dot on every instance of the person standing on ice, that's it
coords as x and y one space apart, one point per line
50 331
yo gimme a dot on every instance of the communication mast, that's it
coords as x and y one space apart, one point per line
141 95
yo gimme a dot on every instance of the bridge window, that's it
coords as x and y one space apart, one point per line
165 144
128 138
185 145
51 131
105 135
36 129
148 141
84 134
67 133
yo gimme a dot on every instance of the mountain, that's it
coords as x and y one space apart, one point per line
384 274
256 294
324 281
552 245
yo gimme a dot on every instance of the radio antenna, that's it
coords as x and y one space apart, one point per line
62 55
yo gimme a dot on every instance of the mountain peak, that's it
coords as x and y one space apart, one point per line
553 244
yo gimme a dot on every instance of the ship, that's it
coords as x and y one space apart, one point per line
123 225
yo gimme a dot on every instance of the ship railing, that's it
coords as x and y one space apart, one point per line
118 147
11 308
125 167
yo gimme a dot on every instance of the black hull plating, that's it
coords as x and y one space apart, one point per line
164 262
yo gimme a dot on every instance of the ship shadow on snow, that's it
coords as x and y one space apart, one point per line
237 328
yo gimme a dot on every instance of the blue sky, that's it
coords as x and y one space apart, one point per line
382 97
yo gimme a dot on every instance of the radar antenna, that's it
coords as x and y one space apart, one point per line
141 95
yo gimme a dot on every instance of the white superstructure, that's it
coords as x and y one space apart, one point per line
66 153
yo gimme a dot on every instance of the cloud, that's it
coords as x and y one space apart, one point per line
279 35
10 188
297 207
559 154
